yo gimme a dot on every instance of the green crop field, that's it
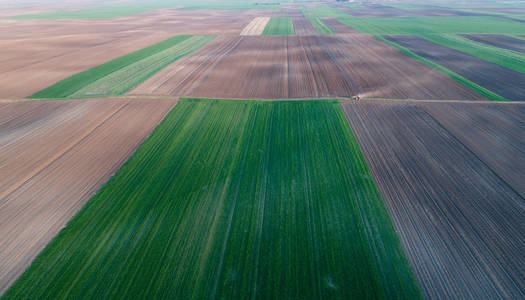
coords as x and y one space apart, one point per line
232 199
481 90
96 77
429 25
507 58
279 26
320 26
125 79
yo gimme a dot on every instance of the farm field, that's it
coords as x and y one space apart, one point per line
302 67
121 74
303 26
503 81
256 26
240 149
187 217
279 26
498 40
443 186
57 155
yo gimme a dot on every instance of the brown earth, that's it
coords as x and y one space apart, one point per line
302 26
57 155
457 217
337 26
498 79
256 26
35 54
498 40
302 67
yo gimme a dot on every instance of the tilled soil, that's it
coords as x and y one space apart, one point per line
57 155
503 81
457 217
302 26
302 67
337 26
498 40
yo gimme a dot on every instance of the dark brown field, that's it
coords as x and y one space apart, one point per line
460 222
302 67
302 26
503 81
498 40
57 155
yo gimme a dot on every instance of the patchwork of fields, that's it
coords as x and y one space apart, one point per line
57 155
402 180
302 67
188 217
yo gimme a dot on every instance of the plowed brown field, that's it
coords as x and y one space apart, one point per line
57 155
337 26
302 26
35 54
457 217
498 40
302 67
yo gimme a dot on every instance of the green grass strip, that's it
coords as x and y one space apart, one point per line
320 26
279 26
127 78
232 200
503 57
479 89
432 25
70 85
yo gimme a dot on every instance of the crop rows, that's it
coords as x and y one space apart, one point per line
57 155
302 67
73 84
279 26
443 170
232 199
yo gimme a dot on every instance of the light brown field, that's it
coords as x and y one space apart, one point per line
280 67
57 155
256 26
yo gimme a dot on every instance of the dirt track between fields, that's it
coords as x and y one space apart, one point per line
57 155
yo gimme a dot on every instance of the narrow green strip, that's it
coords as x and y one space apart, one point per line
125 79
232 200
503 57
70 85
279 26
320 26
481 90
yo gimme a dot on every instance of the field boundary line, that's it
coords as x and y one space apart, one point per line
53 158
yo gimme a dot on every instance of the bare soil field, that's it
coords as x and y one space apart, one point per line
302 26
58 154
494 133
337 26
457 219
503 81
35 54
256 26
302 67
498 40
